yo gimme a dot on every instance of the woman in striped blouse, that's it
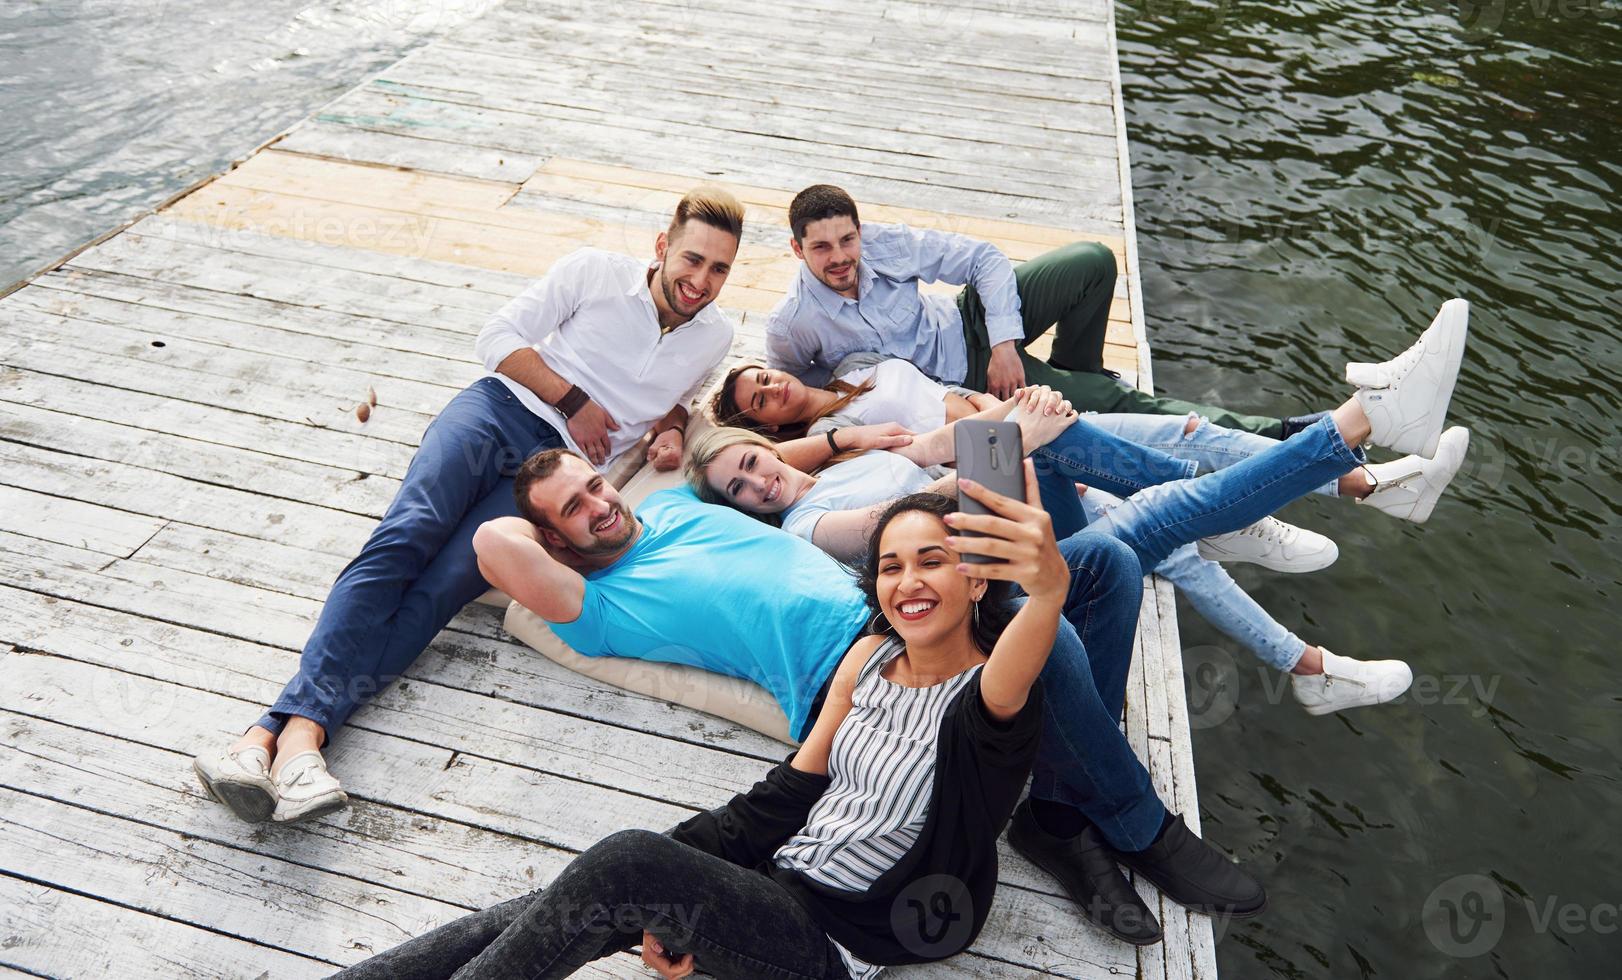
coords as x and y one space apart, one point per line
875 842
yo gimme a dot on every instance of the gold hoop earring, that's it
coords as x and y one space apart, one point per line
872 620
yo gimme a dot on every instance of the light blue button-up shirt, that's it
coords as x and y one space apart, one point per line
814 327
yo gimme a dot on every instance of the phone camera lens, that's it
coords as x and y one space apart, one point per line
993 439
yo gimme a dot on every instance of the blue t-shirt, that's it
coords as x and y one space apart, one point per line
714 588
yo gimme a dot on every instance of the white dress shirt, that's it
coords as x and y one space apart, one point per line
592 319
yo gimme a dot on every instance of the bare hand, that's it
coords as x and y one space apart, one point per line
890 435
590 428
664 452
1020 532
667 966
1043 414
1005 374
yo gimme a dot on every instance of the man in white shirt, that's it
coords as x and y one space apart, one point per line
593 356
857 293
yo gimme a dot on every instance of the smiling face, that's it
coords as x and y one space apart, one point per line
831 248
583 511
772 398
694 263
753 479
918 586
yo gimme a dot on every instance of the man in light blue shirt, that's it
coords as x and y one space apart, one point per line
856 292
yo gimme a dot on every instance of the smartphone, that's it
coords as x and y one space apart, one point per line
992 455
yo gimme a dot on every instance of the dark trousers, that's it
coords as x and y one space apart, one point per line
737 922
1070 289
417 569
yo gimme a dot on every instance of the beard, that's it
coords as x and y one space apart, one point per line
598 544
673 299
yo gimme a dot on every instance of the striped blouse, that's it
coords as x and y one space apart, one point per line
881 767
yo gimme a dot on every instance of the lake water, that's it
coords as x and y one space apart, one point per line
1312 181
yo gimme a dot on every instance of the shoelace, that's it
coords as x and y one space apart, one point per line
1395 369
1271 530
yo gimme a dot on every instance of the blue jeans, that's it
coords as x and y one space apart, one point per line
1158 520
1218 598
1084 760
418 567
1086 453
1212 447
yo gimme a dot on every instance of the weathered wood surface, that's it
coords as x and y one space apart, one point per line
182 474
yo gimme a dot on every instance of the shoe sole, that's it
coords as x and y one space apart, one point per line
316 808
1317 563
248 801
1455 326
1028 853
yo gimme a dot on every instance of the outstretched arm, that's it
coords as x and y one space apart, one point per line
1021 533
513 559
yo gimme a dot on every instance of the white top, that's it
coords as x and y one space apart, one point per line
592 319
882 768
901 393
868 479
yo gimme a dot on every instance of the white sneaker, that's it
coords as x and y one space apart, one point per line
1406 397
1409 487
306 790
1273 544
241 780
1348 683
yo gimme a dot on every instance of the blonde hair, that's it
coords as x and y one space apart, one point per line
711 444
711 205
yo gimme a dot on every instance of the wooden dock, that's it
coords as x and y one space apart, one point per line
182 474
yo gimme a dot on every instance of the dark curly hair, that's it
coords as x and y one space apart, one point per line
996 606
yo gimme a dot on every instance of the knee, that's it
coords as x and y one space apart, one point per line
629 855
1108 561
1097 259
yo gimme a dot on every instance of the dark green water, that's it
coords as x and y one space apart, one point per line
1312 181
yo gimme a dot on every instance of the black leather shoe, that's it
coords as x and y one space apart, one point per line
1196 875
1085 866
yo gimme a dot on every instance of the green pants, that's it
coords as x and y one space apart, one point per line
1071 287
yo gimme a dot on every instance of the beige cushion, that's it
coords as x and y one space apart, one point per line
739 701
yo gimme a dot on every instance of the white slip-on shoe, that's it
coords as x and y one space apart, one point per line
1406 397
306 790
1410 487
1348 683
241 780
1273 544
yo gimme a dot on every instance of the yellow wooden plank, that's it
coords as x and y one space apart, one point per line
344 175
778 200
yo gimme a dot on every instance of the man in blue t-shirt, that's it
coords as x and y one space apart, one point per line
687 582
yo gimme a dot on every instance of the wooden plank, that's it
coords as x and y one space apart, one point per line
50 932
160 871
263 384
156 494
322 139
270 476
1090 126
211 424
72 522
186 372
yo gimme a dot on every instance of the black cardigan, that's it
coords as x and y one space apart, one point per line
934 901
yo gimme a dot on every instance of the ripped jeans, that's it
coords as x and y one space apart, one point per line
1212 447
